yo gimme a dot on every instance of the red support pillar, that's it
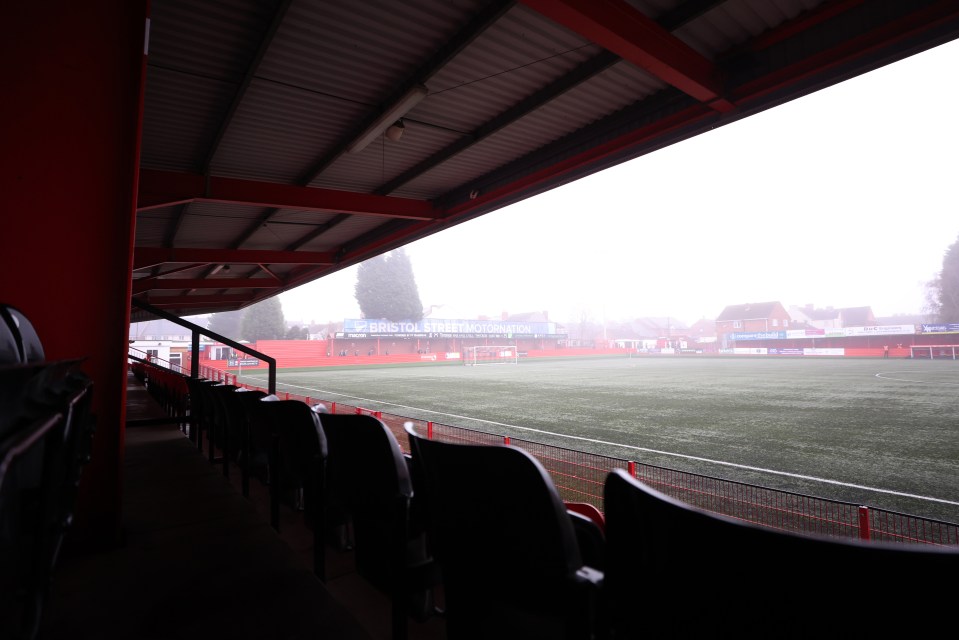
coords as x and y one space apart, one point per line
73 77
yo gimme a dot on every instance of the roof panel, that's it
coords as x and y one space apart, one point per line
517 104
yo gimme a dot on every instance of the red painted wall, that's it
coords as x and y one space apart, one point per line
69 122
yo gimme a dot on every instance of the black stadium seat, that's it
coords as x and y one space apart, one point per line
369 479
505 543
46 432
297 465
674 571
28 345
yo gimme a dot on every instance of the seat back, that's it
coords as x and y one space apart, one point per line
297 465
505 543
220 416
706 575
25 339
44 442
371 487
9 348
369 483
26 498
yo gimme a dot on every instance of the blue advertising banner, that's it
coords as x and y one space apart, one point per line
940 328
429 327
759 335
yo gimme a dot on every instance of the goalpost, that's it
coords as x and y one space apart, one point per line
932 352
491 355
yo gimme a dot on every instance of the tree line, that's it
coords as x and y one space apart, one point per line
385 289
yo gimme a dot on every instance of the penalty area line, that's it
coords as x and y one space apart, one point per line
684 456
884 376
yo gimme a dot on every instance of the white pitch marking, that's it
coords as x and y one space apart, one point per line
884 376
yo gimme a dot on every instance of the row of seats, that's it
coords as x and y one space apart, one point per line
344 472
46 438
481 530
510 563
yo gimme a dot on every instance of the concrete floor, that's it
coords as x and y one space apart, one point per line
200 560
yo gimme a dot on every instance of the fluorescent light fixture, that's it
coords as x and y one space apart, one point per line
386 119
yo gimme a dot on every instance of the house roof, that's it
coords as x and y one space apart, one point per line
857 316
265 162
702 327
749 311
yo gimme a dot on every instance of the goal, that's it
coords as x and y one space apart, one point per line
934 352
491 355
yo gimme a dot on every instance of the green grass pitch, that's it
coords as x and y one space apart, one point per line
883 433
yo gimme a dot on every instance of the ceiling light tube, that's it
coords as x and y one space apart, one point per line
387 118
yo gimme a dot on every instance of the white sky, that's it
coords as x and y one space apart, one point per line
846 197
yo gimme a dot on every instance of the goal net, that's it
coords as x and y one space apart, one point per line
934 352
491 355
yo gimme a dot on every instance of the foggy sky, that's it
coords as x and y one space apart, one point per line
844 198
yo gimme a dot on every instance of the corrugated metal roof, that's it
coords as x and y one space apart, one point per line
251 107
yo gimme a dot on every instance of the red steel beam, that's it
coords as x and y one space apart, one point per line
851 49
166 188
166 301
144 257
618 27
139 286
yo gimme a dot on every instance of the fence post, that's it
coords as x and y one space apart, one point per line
332 407
863 523
505 439
429 430
631 468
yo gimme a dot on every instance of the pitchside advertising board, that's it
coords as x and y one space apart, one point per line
431 328
844 332
940 328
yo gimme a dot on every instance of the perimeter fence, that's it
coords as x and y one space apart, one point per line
580 476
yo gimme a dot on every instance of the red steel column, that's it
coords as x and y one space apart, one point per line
70 124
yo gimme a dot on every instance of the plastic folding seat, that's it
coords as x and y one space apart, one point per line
216 435
248 457
506 545
27 342
201 409
26 498
9 348
297 463
369 482
676 571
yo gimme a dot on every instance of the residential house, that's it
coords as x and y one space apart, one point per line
832 318
752 317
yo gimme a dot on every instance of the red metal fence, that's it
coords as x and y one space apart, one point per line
580 476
